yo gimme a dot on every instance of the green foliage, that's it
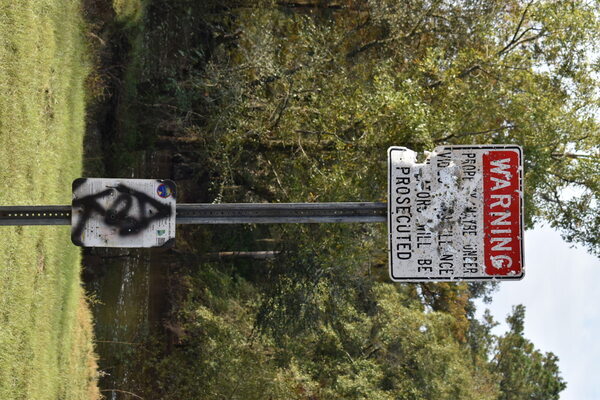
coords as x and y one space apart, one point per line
298 102
304 288
526 372
217 353
299 105
389 351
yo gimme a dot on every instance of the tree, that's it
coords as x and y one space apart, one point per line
526 372
297 101
322 94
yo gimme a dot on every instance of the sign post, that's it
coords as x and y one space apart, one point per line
458 215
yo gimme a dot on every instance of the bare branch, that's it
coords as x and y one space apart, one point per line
123 391
371 44
277 178
463 74
557 155
529 39
411 32
276 77
280 109
323 133
460 135
567 180
519 25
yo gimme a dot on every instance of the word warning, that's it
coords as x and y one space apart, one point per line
457 215
123 212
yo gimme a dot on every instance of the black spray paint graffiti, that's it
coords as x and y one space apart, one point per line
118 213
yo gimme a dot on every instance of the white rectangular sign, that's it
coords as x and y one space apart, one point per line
123 212
457 215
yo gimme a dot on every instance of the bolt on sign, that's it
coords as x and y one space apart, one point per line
123 212
457 215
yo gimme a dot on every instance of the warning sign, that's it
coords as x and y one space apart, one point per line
456 215
123 212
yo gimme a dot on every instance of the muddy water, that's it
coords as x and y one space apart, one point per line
128 287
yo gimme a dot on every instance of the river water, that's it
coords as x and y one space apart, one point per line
128 291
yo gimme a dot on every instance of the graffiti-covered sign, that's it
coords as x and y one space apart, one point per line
123 212
456 215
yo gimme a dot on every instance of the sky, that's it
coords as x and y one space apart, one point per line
561 294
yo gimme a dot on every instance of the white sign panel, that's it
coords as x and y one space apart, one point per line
457 215
123 212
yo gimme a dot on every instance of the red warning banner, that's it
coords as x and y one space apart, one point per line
502 213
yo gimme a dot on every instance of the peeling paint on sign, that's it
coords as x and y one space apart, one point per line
457 215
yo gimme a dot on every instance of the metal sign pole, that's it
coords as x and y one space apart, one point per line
228 213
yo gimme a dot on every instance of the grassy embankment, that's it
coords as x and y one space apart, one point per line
46 343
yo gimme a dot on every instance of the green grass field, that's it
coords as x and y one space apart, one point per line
46 343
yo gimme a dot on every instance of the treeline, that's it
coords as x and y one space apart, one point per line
298 101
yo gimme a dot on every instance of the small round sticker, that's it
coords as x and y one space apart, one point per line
164 191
